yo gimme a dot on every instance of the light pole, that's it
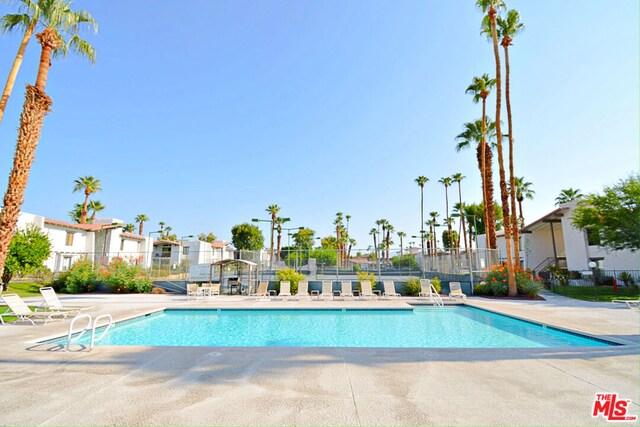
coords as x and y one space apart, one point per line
272 221
592 266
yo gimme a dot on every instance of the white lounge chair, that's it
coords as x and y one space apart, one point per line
303 289
631 303
215 289
428 291
327 289
262 291
19 309
366 290
285 289
192 290
455 291
52 303
390 289
346 289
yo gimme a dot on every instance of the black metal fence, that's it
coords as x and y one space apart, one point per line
597 285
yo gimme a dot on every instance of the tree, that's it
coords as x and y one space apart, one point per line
33 12
95 206
390 229
28 250
508 28
329 242
434 223
246 236
59 21
161 224
209 237
421 181
324 256
401 235
523 190
303 239
129 228
374 232
450 242
613 216
88 185
273 211
76 213
474 212
141 219
279 222
568 195
446 181
480 88
490 7
458 177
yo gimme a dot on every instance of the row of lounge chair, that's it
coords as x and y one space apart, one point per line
49 310
346 290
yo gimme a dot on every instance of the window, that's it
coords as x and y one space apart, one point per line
593 238
166 251
185 250
122 244
69 239
66 263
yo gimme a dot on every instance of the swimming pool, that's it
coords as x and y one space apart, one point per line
446 327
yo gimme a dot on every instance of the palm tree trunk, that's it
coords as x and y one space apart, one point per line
446 197
464 225
279 241
512 179
140 226
93 217
388 243
422 220
485 182
504 195
521 217
36 106
401 250
375 245
85 210
17 62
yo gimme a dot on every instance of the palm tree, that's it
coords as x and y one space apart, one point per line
339 236
401 234
95 207
523 190
34 12
490 7
480 88
373 232
422 180
458 177
161 224
446 181
88 185
434 222
279 222
568 195
352 243
390 229
129 228
141 219
273 210
508 28
76 213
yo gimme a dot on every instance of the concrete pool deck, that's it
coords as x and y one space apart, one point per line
319 386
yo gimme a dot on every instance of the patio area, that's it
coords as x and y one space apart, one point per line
313 386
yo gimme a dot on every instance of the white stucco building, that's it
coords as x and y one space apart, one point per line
553 239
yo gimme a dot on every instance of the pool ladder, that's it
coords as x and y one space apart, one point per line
91 325
435 297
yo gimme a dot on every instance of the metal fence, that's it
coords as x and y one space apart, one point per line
597 284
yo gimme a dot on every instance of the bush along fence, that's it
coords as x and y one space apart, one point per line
118 276
596 285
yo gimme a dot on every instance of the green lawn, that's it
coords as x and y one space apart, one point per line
604 293
24 289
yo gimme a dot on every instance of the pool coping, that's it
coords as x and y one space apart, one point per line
613 342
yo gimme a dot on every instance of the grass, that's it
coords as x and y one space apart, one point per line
604 293
24 289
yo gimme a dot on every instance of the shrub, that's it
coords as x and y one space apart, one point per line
436 284
560 274
363 275
80 278
529 288
289 274
404 261
122 277
627 278
496 282
412 287
575 275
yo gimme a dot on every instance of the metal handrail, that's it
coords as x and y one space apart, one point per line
73 321
436 296
95 325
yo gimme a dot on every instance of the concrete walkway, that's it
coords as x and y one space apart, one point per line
318 386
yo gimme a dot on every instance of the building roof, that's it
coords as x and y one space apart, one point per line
219 244
165 242
84 227
132 236
553 216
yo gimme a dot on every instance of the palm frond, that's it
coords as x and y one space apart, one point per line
12 22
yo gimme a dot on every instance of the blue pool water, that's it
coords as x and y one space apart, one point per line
447 327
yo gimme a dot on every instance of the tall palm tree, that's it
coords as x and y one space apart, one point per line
390 229
523 190
279 222
339 236
95 207
352 243
161 224
434 222
421 181
273 210
568 195
88 185
129 228
446 181
490 7
76 213
508 28
401 235
373 232
458 177
480 88
141 219
33 12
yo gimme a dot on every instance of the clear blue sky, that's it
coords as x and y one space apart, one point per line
201 114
